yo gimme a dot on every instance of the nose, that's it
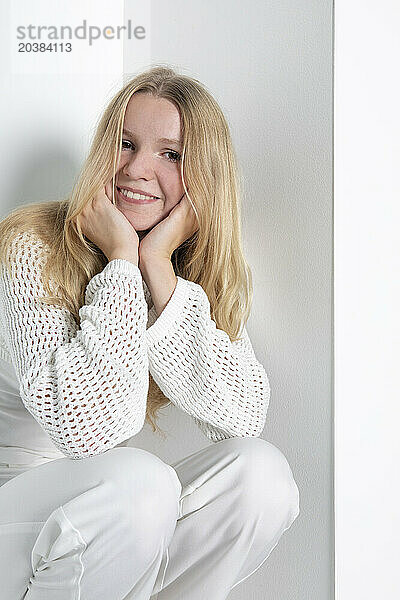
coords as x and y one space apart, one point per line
138 165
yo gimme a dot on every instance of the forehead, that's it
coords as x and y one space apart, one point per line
157 117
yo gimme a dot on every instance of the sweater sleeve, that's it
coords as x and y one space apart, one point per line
86 386
219 383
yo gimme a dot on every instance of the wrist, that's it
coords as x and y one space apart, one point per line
149 257
133 258
151 262
159 276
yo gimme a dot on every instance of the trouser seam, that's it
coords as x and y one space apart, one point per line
78 533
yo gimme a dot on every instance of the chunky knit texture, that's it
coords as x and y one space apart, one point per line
87 385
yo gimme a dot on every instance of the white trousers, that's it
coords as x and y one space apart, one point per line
124 525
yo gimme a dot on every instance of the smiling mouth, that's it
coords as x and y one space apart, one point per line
135 198
136 195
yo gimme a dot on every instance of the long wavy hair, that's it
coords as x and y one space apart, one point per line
213 257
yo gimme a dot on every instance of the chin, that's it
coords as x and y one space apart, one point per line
143 227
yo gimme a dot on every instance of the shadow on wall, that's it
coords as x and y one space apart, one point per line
48 175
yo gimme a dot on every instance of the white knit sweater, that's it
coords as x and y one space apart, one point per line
87 386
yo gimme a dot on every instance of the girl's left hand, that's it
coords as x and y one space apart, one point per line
170 233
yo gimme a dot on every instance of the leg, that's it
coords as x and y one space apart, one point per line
238 498
93 529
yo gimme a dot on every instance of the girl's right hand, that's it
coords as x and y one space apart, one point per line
106 226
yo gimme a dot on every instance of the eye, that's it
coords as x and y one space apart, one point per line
175 156
126 142
172 156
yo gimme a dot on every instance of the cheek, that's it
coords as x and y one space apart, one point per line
177 186
122 162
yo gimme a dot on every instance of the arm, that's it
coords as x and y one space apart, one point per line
219 383
86 386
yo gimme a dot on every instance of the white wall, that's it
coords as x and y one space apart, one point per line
367 299
269 64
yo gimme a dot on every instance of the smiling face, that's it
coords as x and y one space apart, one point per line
149 163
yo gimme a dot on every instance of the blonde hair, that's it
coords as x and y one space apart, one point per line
212 257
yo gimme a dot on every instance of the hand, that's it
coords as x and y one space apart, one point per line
102 223
170 233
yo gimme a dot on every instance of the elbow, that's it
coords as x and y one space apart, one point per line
258 427
260 414
89 442
257 416
80 451
97 437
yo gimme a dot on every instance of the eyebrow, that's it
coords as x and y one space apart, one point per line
164 140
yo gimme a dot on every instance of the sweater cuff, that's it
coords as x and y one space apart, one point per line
171 313
120 265
115 268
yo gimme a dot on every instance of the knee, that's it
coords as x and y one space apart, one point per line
129 466
145 491
265 480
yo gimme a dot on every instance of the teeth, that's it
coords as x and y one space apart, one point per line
134 196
